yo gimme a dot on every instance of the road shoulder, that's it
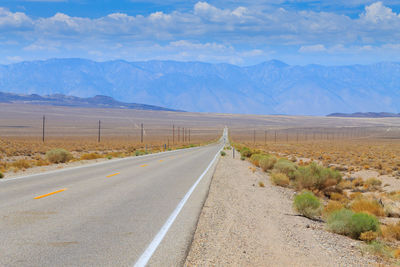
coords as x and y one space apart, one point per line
243 224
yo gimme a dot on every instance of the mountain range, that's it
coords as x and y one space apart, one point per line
365 115
272 87
98 101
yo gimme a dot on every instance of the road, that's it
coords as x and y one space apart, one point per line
106 214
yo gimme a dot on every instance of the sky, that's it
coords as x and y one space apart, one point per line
298 32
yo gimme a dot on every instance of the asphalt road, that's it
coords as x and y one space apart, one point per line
104 214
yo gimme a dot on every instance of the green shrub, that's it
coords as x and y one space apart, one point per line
255 159
242 158
339 221
267 162
58 155
139 153
307 204
346 222
285 166
363 222
223 153
1 175
246 152
279 179
315 176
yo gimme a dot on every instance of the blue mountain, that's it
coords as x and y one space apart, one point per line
271 87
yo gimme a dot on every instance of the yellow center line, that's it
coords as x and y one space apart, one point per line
161 160
52 193
144 165
111 175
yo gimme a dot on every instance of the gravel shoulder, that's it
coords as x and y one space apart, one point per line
243 224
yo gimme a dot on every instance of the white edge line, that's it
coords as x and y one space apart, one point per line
145 257
98 163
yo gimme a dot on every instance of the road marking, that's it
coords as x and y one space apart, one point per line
144 165
52 193
111 175
145 257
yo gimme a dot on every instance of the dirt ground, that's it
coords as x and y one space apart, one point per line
243 224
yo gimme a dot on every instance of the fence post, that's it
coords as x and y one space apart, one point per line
44 122
98 137
141 133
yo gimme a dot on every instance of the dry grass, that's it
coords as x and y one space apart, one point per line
370 206
382 155
391 232
280 179
331 207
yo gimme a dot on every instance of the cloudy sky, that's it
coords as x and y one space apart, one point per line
234 31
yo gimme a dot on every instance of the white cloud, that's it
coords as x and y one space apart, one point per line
377 12
14 21
312 48
234 34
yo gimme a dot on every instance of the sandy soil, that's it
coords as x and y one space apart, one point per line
243 224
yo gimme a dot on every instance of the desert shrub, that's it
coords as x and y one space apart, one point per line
363 222
370 206
368 236
21 164
261 184
285 166
346 222
337 196
242 157
315 176
307 204
331 207
255 159
345 184
1 175
391 231
41 162
223 154
139 152
267 162
58 155
358 182
339 221
279 179
373 182
90 156
246 152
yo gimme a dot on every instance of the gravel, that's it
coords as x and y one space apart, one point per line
242 224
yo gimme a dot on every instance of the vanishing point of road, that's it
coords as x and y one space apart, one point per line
133 211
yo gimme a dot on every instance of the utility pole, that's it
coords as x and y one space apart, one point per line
173 134
275 136
44 122
189 135
179 134
254 136
183 134
98 136
141 133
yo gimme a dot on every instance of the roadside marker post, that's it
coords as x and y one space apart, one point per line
233 152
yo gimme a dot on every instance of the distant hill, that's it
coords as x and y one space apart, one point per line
272 87
98 101
365 115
